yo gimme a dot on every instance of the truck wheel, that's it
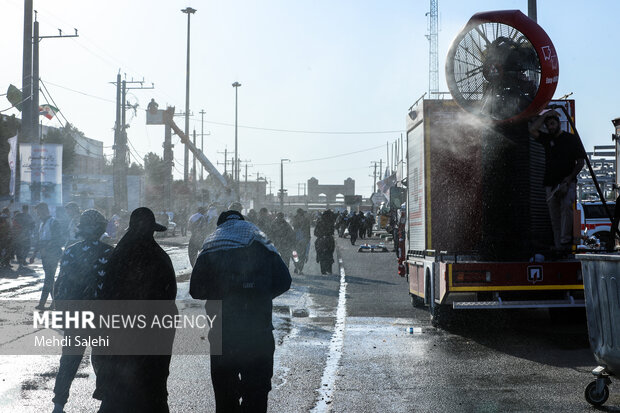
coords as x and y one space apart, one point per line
594 398
416 301
441 314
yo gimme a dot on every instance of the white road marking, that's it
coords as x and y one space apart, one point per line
328 381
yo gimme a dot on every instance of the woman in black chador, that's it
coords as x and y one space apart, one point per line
325 244
139 269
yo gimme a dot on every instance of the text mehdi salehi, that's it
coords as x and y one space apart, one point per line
78 341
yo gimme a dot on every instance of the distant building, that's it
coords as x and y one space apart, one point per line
331 193
603 161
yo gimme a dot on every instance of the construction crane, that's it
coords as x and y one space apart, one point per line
433 55
168 119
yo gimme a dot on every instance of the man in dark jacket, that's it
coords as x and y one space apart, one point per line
49 244
139 269
23 225
283 237
82 271
240 266
564 159
301 225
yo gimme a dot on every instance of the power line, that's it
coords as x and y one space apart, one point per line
248 126
325 158
45 96
304 131
81 93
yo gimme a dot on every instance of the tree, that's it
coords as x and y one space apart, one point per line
66 137
135 169
156 173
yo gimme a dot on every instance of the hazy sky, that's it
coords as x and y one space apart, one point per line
319 66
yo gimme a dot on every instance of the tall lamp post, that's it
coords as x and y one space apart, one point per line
189 11
236 160
282 183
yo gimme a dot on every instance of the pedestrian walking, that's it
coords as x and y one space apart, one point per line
355 224
325 244
264 221
241 267
362 225
283 237
6 239
197 226
49 245
73 212
81 277
301 226
138 269
23 225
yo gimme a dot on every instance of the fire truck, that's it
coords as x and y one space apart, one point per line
479 234
478 230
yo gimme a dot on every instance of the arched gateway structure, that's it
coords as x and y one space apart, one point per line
330 191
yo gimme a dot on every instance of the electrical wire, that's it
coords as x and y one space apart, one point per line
63 116
324 158
80 92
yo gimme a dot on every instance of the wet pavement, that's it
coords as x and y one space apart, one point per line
342 346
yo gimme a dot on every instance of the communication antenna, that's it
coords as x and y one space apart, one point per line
433 52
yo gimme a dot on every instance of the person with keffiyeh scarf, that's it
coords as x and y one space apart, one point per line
241 267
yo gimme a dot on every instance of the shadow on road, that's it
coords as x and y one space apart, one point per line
528 334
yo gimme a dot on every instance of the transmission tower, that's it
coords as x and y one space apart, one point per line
433 52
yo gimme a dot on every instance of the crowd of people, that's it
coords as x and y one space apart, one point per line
242 260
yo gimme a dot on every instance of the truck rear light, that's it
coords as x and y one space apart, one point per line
473 277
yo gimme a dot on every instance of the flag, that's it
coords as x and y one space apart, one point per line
14 96
47 110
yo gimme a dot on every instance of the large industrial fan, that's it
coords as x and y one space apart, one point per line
502 66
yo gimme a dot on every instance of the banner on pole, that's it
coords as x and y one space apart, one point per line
12 163
41 173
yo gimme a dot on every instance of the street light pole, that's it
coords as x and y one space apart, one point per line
236 162
282 183
189 11
202 139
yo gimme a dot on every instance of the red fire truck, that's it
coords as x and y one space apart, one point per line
479 233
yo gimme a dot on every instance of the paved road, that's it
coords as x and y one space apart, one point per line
342 347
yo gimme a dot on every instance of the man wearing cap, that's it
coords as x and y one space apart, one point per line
564 159
139 269
49 244
82 271
240 266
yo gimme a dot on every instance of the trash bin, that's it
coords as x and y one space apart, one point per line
601 281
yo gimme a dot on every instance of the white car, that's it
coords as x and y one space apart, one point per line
595 220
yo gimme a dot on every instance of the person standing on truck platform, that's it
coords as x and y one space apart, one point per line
564 159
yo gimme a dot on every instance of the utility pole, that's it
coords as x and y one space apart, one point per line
194 169
36 39
226 161
120 163
236 164
282 183
189 11
169 161
30 93
202 139
374 174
